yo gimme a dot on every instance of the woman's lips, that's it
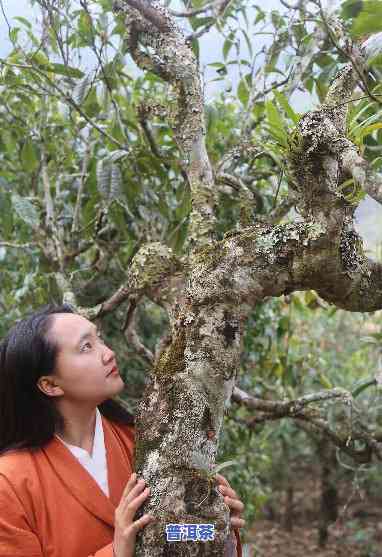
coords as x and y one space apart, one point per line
114 371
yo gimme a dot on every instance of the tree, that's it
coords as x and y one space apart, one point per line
73 149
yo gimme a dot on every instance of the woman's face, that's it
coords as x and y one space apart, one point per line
83 362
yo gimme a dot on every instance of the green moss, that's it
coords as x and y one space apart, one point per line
295 154
171 360
295 145
209 255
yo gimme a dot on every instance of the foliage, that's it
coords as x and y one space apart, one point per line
292 349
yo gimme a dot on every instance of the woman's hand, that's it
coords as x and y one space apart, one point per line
232 501
126 528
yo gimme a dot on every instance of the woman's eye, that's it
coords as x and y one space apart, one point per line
99 336
86 344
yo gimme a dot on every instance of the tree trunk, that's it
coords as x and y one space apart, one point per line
179 424
329 496
288 509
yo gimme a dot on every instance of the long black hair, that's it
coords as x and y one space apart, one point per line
28 417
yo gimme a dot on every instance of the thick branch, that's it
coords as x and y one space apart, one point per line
150 268
362 172
154 15
132 335
174 61
51 224
264 260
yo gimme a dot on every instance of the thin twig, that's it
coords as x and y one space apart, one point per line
66 97
364 86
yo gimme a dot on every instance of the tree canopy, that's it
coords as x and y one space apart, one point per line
202 232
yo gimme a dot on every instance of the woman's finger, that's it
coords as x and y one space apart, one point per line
237 522
142 522
132 507
235 505
228 491
129 486
127 509
133 492
131 481
137 489
221 480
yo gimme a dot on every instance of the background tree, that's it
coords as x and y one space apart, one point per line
173 220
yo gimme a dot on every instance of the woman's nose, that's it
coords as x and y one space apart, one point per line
108 354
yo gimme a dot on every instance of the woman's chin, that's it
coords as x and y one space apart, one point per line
121 383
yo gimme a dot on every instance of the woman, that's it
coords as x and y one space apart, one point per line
67 486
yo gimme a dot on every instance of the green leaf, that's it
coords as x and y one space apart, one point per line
67 70
249 44
369 19
223 465
25 210
13 33
85 25
325 381
243 89
195 48
109 179
91 105
39 58
197 22
357 111
260 16
310 296
282 100
29 156
351 8
277 19
276 124
24 21
363 386
115 181
228 45
103 178
298 304
323 60
9 78
369 129
117 155
278 370
81 90
107 5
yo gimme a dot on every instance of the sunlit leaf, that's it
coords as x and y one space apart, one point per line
25 210
29 156
369 19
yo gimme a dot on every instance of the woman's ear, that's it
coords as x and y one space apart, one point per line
48 385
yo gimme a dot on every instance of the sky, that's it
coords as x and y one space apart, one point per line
368 214
210 44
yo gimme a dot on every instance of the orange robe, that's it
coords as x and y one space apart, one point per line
50 506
